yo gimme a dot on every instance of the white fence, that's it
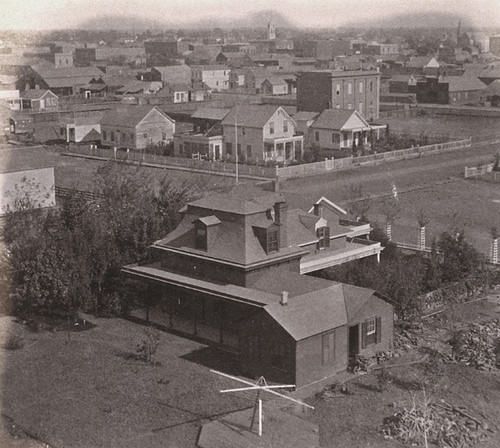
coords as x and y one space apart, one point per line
311 169
478 170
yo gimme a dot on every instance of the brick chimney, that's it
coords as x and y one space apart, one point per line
284 298
280 218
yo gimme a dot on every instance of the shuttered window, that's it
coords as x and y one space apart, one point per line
371 331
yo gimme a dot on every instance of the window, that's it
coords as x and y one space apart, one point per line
145 135
112 136
163 135
104 135
271 127
370 326
285 126
249 151
360 107
349 106
201 237
361 87
272 240
316 136
371 331
238 148
333 137
243 131
229 148
349 88
371 86
328 348
131 137
337 89
323 234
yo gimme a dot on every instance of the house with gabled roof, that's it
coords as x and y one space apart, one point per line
338 129
136 127
274 85
230 273
261 133
39 100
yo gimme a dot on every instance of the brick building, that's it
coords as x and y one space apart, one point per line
329 89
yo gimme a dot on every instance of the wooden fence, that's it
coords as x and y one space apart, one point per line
207 166
478 170
329 165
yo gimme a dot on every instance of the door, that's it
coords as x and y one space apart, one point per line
353 341
217 152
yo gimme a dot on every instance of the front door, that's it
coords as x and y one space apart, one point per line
353 341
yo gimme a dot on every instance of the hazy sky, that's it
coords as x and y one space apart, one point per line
53 14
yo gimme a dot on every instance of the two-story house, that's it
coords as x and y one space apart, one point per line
216 77
230 274
261 133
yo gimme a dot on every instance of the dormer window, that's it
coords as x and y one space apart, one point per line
323 234
272 240
205 231
201 237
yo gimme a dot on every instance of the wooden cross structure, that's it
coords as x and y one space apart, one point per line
260 386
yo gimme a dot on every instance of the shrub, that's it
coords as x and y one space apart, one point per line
14 342
148 347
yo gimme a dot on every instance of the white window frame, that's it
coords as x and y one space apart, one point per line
371 326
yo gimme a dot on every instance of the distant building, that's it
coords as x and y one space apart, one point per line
84 56
172 74
329 89
34 100
271 31
494 45
136 127
274 85
163 52
453 90
338 129
216 77
261 133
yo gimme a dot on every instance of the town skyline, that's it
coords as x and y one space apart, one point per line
63 14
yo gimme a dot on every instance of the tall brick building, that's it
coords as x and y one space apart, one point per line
329 89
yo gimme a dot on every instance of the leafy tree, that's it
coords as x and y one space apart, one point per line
460 259
69 258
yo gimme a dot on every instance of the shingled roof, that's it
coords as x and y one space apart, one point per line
251 115
129 116
463 83
336 119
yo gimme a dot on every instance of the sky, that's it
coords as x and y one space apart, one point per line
57 14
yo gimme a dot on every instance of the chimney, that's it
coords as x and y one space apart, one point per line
284 298
318 210
280 218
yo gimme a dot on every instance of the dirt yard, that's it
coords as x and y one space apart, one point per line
88 389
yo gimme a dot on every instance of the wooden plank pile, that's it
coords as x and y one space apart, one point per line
478 346
439 423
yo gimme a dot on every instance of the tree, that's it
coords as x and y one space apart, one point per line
460 259
69 258
361 204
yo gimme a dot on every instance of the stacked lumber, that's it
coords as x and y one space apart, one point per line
478 346
439 423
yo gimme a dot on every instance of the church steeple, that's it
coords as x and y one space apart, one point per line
271 31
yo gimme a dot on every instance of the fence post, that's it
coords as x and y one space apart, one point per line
422 238
494 251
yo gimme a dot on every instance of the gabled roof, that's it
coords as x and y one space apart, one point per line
305 116
36 94
276 81
422 61
337 119
129 116
462 83
311 313
331 205
251 115
493 89
210 113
